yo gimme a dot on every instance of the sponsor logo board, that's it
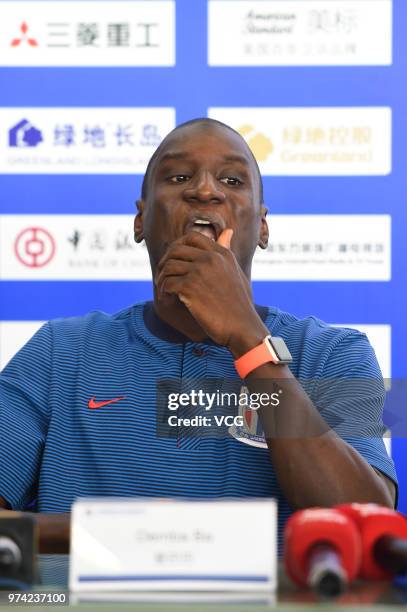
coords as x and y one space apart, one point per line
315 141
101 247
71 247
299 32
326 248
380 338
81 140
78 33
13 336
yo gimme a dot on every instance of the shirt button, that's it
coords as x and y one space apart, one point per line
198 352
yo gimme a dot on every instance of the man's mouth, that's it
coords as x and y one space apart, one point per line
208 227
204 227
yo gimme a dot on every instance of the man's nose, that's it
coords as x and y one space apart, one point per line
204 188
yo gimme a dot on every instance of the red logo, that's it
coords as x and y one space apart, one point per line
92 404
34 247
23 38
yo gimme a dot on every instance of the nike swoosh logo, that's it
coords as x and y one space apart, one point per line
92 404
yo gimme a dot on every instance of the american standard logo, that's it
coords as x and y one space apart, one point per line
300 32
269 23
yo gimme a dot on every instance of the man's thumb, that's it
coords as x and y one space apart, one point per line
225 238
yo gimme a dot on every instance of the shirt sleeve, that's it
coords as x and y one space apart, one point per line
24 416
350 396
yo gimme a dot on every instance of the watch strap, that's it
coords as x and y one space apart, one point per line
272 350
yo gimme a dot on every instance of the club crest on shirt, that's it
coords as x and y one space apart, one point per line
251 432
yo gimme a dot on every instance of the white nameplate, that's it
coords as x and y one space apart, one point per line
169 545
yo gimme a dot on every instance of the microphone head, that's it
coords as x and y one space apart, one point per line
306 529
10 555
374 522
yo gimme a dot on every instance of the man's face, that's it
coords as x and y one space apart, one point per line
205 180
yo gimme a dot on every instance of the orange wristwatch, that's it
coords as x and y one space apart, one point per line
272 349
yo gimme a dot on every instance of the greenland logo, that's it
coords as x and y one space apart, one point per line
24 134
260 144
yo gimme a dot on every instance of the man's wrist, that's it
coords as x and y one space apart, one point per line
247 339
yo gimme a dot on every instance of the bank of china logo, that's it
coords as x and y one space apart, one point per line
251 431
34 247
24 134
259 143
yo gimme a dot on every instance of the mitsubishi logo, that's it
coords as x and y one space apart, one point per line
23 38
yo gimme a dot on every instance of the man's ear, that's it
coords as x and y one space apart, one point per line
138 222
264 229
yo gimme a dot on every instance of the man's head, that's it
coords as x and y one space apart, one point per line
203 172
204 122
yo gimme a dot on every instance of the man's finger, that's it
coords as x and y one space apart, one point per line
189 247
180 251
174 285
172 268
225 238
200 241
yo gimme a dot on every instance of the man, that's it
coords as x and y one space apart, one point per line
78 403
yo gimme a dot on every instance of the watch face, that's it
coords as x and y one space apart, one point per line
281 349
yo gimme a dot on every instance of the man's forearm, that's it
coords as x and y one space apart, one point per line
325 471
314 466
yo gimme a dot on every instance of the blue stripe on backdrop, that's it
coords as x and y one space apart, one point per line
191 86
332 302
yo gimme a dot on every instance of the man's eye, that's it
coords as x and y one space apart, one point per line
179 178
231 180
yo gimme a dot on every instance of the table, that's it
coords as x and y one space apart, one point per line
376 596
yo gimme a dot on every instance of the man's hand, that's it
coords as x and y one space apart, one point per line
3 503
206 277
53 529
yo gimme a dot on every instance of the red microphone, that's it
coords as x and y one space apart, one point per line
384 539
322 550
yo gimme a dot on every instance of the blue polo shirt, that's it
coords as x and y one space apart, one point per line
61 436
